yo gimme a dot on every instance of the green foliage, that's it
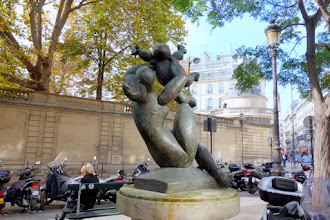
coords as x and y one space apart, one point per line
292 68
102 36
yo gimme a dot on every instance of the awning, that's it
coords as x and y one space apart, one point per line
302 150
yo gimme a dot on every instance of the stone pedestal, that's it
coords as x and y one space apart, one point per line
207 204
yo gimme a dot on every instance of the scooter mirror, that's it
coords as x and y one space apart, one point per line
148 159
38 162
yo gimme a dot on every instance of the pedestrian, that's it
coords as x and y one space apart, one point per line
284 159
87 197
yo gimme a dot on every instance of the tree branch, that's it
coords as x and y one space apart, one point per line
303 10
116 55
286 7
63 13
39 23
289 25
11 42
296 44
33 24
323 9
323 45
14 79
82 4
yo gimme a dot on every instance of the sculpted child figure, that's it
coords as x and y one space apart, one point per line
169 73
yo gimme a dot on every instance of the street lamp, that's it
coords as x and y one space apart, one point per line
273 38
241 119
195 60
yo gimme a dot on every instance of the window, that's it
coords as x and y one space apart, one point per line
225 105
209 89
219 103
221 88
194 89
209 103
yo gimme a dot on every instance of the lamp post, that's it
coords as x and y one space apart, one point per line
241 119
273 38
195 60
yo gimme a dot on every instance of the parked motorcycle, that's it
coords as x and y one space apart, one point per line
253 177
25 191
283 196
57 181
5 176
238 178
299 176
140 169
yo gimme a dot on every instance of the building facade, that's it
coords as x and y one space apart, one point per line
216 92
297 136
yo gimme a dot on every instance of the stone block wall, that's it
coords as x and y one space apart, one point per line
38 126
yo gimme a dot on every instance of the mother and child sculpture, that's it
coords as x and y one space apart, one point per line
175 148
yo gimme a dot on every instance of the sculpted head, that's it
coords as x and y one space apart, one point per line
162 52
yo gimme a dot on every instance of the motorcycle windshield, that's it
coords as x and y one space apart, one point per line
61 157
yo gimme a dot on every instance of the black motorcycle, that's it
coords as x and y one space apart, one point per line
5 176
139 170
254 176
57 182
111 194
299 176
25 191
239 175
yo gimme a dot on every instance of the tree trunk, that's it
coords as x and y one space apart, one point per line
44 73
321 150
99 82
321 161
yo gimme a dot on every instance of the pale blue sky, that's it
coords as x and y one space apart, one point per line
240 32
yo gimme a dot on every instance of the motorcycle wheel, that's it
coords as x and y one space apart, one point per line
46 199
42 201
113 197
99 197
33 204
252 188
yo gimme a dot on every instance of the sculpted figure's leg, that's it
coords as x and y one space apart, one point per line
185 131
205 161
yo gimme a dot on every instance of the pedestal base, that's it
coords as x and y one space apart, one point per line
210 204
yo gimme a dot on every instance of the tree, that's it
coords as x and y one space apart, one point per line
104 34
29 39
313 67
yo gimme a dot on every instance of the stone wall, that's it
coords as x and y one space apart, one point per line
37 126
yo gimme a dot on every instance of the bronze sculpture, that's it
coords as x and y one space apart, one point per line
177 148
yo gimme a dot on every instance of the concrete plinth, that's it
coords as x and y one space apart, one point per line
209 204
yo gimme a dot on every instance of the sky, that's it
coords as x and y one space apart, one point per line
240 32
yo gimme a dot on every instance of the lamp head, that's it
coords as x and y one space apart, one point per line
196 60
273 32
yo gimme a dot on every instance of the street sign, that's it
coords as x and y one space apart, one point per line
270 140
309 121
210 125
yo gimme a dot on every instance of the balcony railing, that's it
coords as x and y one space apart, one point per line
232 112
